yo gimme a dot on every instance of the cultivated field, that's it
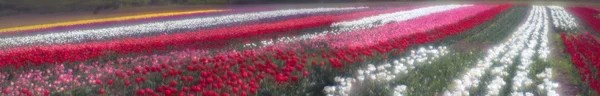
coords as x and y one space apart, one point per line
395 49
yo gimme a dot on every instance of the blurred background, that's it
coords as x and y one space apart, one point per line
9 7
28 12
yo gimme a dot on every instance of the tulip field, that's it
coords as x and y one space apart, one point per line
391 50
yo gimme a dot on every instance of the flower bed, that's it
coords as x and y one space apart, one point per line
583 52
414 50
587 15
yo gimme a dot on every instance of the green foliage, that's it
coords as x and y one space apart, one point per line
135 2
501 28
433 78
565 72
488 33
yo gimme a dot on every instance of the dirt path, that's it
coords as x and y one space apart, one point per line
33 19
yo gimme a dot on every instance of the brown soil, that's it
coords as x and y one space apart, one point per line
566 88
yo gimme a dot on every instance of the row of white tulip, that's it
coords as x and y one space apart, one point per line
399 90
496 84
383 19
544 49
343 88
402 65
521 43
162 27
386 72
562 19
520 81
363 23
548 85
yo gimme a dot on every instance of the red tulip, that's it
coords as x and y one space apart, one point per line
127 83
305 73
149 91
140 92
185 89
129 73
181 93
29 93
244 94
294 78
110 82
46 92
101 91
173 83
191 68
579 48
245 74
253 90
235 90
196 88
24 90
190 78
167 92
137 70
5 91
204 74
183 78
209 80
165 75
209 93
99 82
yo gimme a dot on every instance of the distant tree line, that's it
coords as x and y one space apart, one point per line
49 6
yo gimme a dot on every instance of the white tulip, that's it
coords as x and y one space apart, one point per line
562 19
161 27
370 22
533 33
382 74
383 19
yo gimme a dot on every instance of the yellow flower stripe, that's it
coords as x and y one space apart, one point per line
42 26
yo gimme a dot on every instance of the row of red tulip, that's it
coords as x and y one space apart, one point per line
343 53
64 53
233 74
583 49
401 43
402 29
588 15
